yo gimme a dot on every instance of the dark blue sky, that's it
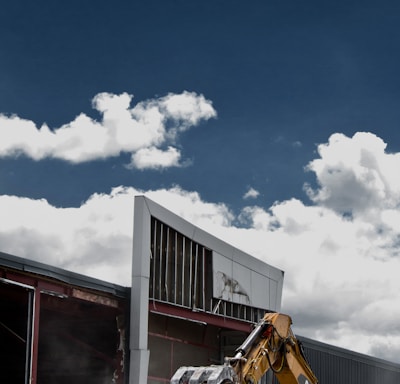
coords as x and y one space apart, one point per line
282 76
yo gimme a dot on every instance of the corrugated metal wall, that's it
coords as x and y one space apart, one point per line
333 365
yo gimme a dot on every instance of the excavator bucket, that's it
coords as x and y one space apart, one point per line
213 374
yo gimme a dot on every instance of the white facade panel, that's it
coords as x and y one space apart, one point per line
245 282
237 277
260 290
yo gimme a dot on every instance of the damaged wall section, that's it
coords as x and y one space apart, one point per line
60 327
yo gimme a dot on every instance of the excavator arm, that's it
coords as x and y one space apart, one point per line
270 346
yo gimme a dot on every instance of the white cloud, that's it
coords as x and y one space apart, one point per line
187 109
148 127
251 194
341 272
81 239
155 158
355 174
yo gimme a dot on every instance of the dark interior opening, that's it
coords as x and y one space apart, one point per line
78 342
15 338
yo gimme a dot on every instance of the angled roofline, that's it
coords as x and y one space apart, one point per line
206 238
62 275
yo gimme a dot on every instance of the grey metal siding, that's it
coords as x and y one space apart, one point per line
336 365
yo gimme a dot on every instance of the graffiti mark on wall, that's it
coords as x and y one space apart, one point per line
229 289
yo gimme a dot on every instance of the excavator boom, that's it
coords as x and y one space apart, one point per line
270 346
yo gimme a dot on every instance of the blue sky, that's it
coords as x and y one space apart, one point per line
282 76
198 105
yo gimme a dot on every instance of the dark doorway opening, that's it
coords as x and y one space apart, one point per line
15 332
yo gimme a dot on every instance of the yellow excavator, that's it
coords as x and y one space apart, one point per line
270 346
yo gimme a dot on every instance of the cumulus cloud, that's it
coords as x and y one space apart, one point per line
155 158
149 128
83 239
369 174
340 253
251 194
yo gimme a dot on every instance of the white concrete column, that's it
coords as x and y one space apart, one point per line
139 353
